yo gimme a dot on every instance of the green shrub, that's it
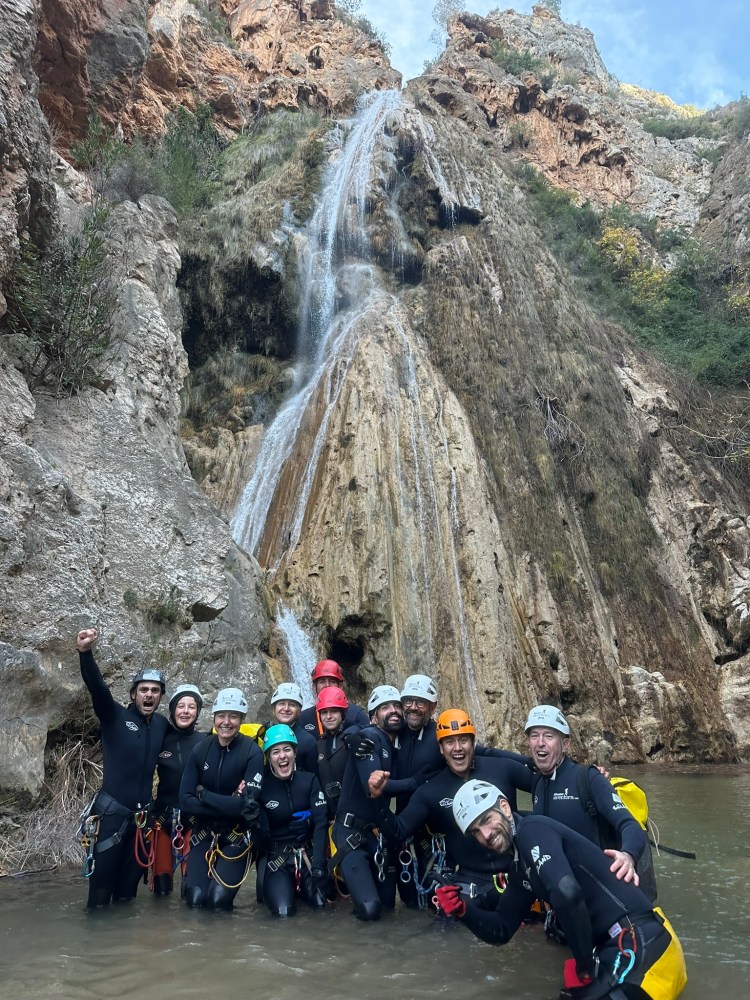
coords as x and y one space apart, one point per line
180 165
741 118
687 315
61 308
517 61
164 609
682 128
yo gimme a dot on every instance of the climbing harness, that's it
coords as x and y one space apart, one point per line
407 858
144 847
214 851
88 835
435 864
379 858
623 953
178 840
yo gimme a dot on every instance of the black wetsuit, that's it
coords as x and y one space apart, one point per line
208 792
558 797
176 749
431 805
332 760
354 716
175 752
307 750
418 754
281 835
357 847
130 747
558 865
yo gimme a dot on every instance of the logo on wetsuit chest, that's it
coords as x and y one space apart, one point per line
205 766
446 803
538 858
166 753
131 726
563 797
618 803
310 727
273 804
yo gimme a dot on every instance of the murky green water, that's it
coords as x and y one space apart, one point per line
50 947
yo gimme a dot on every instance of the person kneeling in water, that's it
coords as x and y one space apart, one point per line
290 831
623 949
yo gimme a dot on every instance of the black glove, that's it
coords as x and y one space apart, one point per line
360 746
320 879
250 810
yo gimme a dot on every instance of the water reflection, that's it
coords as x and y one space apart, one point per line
50 947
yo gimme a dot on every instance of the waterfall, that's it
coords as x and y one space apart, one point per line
299 651
424 470
336 231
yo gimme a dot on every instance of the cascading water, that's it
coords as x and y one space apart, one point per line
269 518
336 231
299 651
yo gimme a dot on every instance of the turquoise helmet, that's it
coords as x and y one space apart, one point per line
278 734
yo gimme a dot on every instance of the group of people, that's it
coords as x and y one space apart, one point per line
335 801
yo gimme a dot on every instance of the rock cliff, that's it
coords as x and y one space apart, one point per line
483 483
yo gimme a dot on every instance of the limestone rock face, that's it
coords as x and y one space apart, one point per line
725 220
103 524
27 199
428 519
569 117
137 60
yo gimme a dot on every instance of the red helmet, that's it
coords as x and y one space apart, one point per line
327 668
331 697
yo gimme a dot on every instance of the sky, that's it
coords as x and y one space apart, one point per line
694 51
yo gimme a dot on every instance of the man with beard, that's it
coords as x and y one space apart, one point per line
431 804
418 754
622 948
132 737
365 861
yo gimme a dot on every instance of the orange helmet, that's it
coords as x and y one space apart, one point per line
327 668
331 697
454 722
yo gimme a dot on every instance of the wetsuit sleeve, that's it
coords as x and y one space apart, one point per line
104 704
401 827
231 805
190 804
520 775
483 751
319 810
253 776
609 805
497 926
542 849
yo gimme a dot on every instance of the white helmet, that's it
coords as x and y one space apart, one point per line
472 800
287 692
420 686
230 700
380 695
547 715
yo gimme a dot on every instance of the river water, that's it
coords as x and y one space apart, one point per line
155 948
